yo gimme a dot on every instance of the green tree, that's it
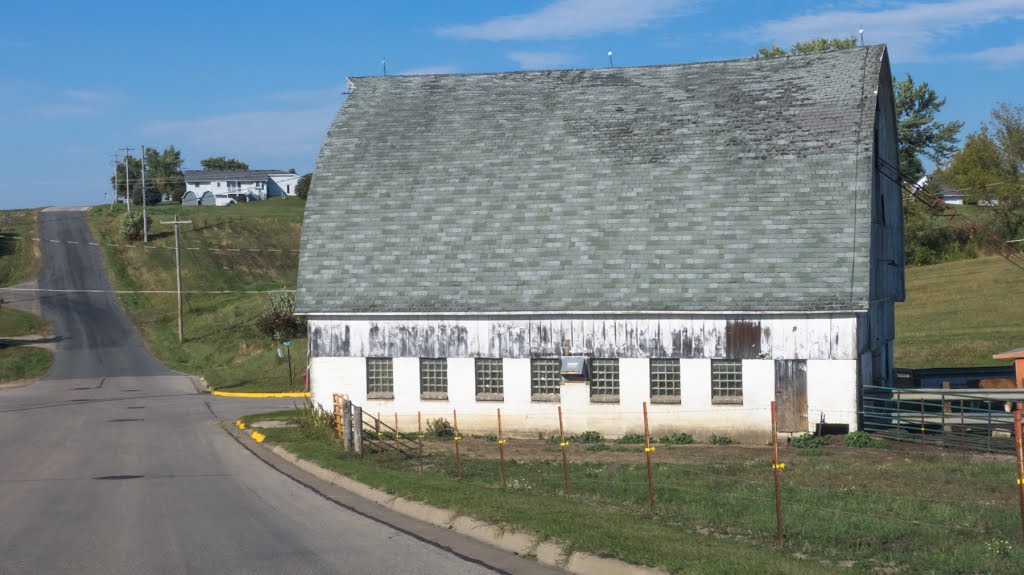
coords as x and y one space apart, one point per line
163 169
809 47
920 134
990 169
302 186
222 163
117 183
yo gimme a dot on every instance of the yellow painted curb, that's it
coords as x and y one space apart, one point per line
259 437
253 394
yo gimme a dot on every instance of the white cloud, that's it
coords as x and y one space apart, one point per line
910 30
999 56
573 18
540 60
78 103
428 70
261 134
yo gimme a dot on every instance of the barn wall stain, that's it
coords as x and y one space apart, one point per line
778 337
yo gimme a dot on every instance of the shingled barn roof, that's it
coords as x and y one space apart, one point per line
742 185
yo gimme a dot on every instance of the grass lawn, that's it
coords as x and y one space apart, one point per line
15 322
19 259
220 341
960 314
894 510
23 362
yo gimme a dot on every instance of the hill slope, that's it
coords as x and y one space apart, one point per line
225 248
960 313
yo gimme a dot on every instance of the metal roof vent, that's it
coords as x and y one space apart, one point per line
576 365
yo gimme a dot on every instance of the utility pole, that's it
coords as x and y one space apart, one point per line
177 265
145 226
127 180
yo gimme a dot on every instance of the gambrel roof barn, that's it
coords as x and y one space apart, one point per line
450 215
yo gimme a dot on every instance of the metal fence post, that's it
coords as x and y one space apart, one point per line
776 467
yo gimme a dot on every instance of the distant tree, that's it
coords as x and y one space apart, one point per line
117 183
810 47
990 169
919 133
302 186
163 170
222 163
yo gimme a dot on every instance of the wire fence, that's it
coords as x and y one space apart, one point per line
673 483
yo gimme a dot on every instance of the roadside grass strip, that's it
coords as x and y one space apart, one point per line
845 512
251 394
23 362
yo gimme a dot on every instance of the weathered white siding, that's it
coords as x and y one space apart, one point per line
831 388
811 336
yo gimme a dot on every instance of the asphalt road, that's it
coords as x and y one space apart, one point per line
114 464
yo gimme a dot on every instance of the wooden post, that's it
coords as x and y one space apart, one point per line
398 437
501 452
380 435
337 416
776 467
564 444
419 437
177 266
647 452
356 424
348 425
458 438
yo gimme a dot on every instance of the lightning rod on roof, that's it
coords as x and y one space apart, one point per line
384 64
611 64
861 32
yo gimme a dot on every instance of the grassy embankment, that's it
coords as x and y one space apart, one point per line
19 261
960 313
221 342
845 510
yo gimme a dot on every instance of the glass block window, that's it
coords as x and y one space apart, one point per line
545 377
726 381
604 379
380 377
489 378
434 378
665 381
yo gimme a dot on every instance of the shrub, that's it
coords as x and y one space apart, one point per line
808 441
316 423
631 439
440 428
861 439
587 437
721 440
278 322
677 439
131 225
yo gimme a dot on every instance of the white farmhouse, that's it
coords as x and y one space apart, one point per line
706 238
228 186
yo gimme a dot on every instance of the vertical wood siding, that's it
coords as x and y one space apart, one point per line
775 337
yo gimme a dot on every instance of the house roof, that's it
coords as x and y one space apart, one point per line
230 175
723 186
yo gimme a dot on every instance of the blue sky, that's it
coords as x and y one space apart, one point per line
261 81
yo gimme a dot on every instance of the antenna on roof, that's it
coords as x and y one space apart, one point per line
611 64
349 86
861 32
384 63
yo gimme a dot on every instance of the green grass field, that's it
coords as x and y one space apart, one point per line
19 258
15 323
845 510
960 314
23 362
221 343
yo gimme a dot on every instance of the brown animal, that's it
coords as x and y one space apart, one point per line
999 383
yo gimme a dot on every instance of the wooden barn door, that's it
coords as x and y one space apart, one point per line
791 394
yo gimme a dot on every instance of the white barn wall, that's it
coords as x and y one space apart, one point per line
831 390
